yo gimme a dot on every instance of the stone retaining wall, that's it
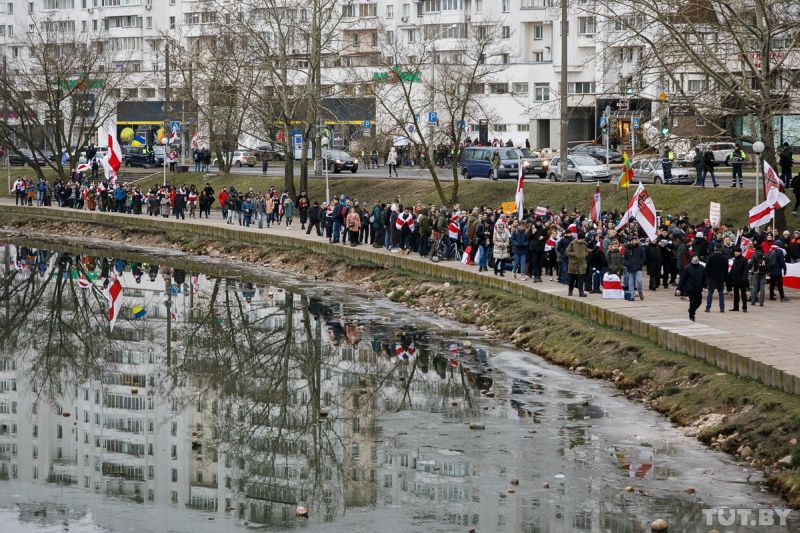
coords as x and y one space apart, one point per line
725 359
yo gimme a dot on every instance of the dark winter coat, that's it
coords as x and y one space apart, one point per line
693 279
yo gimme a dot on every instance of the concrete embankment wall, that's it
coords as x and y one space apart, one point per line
723 358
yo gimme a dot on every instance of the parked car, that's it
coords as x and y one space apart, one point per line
239 158
139 156
273 152
339 160
477 162
580 168
17 159
597 151
533 164
649 170
722 152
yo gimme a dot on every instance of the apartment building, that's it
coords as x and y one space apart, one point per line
521 103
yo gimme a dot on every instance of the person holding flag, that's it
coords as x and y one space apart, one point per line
520 196
594 213
642 209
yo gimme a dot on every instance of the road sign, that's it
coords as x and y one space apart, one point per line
662 96
432 117
175 125
635 123
411 128
367 124
602 121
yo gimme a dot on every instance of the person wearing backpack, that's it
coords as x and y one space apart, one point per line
759 268
777 269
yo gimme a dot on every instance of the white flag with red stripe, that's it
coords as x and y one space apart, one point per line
540 211
765 211
642 209
83 167
550 243
520 196
194 140
465 256
84 283
113 160
612 287
594 213
114 296
772 181
792 276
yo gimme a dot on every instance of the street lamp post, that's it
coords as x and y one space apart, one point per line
758 149
164 142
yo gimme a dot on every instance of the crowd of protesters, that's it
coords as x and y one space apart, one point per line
562 245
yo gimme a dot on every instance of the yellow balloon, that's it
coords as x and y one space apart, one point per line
135 143
126 134
160 134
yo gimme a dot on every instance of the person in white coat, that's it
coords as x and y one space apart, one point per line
391 162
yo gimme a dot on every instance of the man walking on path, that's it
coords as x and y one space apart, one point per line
716 272
693 279
738 279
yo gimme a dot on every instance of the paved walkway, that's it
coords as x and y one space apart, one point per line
753 344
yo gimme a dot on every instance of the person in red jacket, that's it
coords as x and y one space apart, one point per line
223 196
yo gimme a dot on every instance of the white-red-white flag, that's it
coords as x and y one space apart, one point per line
550 243
84 283
772 181
83 167
594 213
520 196
113 160
642 209
540 211
765 211
194 140
114 296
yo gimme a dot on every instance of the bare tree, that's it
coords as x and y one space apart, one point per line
723 62
56 90
218 81
417 79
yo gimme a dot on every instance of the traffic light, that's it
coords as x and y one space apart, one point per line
664 131
629 91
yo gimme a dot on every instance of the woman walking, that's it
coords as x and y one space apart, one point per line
501 241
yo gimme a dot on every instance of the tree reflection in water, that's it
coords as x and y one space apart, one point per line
275 393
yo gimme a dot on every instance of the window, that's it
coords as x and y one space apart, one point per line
390 12
696 86
504 59
538 32
59 4
523 127
479 6
349 10
506 6
499 127
174 496
506 32
587 26
174 451
10 8
171 23
390 37
406 10
498 88
520 88
368 10
541 92
149 22
30 7
411 36
580 87
174 475
537 57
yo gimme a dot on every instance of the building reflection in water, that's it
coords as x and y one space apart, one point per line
247 400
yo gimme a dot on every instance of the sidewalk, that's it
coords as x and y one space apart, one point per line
755 344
